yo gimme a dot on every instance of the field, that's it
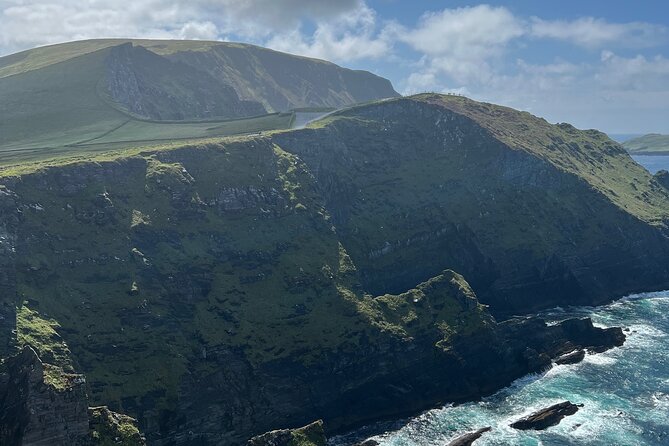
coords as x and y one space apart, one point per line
136 135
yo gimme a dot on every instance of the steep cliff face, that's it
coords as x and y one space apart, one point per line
150 86
532 214
44 405
219 291
282 82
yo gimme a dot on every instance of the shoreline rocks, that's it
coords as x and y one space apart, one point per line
309 435
545 418
469 438
572 357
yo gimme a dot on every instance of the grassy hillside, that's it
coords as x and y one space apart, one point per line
64 97
652 144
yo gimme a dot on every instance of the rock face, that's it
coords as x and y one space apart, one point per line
444 177
222 290
662 177
573 357
547 417
310 435
41 405
469 438
150 86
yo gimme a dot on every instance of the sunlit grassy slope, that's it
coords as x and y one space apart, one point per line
78 97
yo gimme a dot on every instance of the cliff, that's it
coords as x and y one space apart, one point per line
222 290
44 405
532 214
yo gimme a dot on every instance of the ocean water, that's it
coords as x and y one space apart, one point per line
653 163
625 392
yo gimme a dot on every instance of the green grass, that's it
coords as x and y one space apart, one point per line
41 333
311 435
652 144
112 429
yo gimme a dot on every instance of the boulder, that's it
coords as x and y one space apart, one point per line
547 417
469 438
309 435
572 357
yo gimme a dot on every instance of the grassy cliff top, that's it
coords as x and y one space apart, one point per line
44 56
651 144
589 154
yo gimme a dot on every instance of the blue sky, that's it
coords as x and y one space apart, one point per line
596 64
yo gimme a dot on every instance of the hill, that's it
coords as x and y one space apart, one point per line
84 96
351 270
651 144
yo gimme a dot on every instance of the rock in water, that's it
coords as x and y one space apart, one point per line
573 357
310 435
369 442
469 438
547 417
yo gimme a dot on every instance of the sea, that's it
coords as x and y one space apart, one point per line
624 392
653 163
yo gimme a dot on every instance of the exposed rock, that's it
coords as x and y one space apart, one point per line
108 427
573 357
140 80
40 408
310 435
42 405
662 177
547 417
469 438
368 442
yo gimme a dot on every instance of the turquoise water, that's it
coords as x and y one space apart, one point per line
625 391
653 163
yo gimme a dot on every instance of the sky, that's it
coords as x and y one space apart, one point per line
595 64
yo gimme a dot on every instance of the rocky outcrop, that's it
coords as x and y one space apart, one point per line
9 221
108 427
572 357
545 418
662 177
41 405
469 438
534 215
310 435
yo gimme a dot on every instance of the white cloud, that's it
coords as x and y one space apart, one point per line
348 37
29 23
591 32
199 31
460 44
471 32
637 73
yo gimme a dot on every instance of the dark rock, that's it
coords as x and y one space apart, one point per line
40 404
547 417
310 435
369 442
41 411
469 438
571 358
